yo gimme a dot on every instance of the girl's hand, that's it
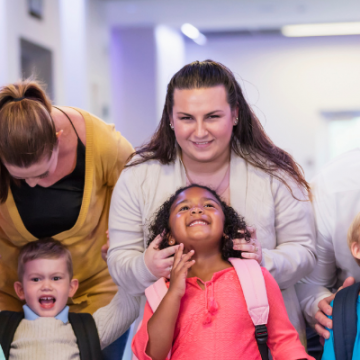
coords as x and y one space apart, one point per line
158 261
179 272
250 250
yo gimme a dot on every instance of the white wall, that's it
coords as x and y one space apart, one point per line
288 81
170 58
44 32
77 34
98 61
133 82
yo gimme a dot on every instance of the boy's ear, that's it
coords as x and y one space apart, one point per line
355 250
19 289
74 285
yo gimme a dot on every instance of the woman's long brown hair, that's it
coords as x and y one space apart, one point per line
27 131
249 140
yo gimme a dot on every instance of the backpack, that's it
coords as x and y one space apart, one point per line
83 325
344 318
253 286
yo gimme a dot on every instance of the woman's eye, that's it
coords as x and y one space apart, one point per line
214 116
44 176
185 118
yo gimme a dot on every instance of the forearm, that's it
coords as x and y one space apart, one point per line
161 327
115 318
128 270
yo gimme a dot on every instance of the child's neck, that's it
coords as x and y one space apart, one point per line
206 265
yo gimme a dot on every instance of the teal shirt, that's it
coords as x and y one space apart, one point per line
2 356
329 351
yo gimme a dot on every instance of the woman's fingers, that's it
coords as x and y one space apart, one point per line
322 319
104 250
156 242
165 253
322 331
324 306
246 247
249 255
240 241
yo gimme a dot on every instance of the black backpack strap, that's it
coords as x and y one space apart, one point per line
261 336
9 322
87 336
344 318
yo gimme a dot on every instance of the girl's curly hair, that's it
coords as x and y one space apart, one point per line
234 225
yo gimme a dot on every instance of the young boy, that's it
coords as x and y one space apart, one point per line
347 300
45 283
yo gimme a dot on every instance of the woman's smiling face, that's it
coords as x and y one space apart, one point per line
196 216
203 122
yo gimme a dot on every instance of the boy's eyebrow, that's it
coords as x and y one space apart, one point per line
41 274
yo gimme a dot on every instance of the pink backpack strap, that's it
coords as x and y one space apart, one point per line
253 286
154 294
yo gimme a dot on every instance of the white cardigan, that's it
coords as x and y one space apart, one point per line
285 226
336 192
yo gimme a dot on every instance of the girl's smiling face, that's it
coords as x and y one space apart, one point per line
196 216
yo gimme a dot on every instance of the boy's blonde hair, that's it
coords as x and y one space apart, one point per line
354 233
47 248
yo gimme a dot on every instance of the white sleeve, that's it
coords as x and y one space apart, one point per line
314 287
114 319
126 252
294 255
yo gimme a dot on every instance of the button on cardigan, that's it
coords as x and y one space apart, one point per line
105 157
285 226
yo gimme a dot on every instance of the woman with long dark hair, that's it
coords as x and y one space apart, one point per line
209 135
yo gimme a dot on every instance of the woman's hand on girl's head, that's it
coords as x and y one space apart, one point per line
179 271
158 261
250 250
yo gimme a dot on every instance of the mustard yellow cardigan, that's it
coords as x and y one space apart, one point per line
105 157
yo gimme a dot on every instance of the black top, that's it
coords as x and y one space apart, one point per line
47 211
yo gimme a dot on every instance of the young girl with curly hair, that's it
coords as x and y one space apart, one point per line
204 314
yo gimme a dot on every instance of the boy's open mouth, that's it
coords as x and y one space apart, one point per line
47 302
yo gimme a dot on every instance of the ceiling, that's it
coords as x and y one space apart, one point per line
217 15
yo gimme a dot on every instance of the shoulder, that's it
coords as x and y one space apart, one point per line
339 175
148 169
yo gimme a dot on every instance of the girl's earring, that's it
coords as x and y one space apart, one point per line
171 126
236 121
225 236
171 241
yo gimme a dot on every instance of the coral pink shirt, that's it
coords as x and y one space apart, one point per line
214 323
